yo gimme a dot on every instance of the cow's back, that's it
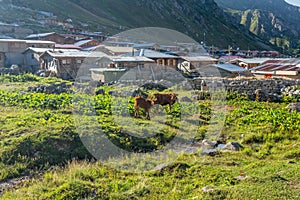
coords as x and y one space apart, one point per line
164 99
142 102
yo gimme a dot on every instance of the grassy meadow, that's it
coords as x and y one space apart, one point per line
40 140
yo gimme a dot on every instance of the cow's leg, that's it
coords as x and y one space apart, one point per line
136 112
147 114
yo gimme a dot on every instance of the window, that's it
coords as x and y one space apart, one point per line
79 61
32 56
64 62
160 61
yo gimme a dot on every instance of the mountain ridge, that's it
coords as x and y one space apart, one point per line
275 21
202 20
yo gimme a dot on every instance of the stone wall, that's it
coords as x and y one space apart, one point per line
263 90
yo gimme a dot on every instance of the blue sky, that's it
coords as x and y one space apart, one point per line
294 2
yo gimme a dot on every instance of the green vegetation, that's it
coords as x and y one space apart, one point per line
38 136
268 20
244 18
254 26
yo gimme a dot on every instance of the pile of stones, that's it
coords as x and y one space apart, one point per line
54 88
292 91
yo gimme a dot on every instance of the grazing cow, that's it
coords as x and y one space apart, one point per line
164 99
141 102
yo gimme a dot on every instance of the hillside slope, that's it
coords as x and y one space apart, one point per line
201 19
275 21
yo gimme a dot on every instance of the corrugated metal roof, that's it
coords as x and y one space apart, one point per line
252 60
107 70
151 54
114 43
132 59
229 57
27 41
281 60
119 49
66 46
82 42
198 58
39 42
127 58
12 40
75 54
229 67
5 37
39 35
275 67
37 50
144 45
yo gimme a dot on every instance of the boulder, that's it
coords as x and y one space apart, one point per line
100 91
232 146
207 144
294 107
171 167
241 177
208 189
186 99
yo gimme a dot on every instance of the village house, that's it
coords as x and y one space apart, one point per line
228 59
87 43
65 64
160 58
248 63
285 69
99 36
117 42
153 46
112 50
123 61
69 40
222 70
191 63
39 44
74 30
111 68
11 50
75 37
106 75
32 59
54 37
66 46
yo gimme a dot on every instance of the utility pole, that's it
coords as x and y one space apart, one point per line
229 53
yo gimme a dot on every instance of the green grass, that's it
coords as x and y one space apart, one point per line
265 179
44 139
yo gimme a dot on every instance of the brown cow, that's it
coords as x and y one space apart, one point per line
141 102
164 99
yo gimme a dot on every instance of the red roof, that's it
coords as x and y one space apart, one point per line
278 67
273 61
230 57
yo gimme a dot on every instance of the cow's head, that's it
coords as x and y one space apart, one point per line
150 102
174 97
153 99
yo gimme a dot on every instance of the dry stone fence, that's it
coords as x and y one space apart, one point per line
262 90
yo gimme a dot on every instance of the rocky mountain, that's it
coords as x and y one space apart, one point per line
203 20
273 20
